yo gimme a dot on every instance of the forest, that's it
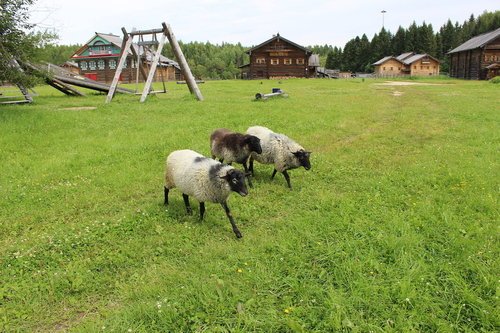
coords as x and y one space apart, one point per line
222 61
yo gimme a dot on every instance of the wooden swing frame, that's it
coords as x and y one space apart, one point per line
166 32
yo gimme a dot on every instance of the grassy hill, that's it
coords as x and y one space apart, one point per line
394 229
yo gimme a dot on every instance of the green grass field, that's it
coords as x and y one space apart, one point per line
394 229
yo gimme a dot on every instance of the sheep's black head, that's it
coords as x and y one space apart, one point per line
303 157
236 181
253 143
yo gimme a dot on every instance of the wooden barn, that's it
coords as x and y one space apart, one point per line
98 59
407 64
279 57
478 58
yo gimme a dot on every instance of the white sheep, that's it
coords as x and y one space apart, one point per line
205 179
280 150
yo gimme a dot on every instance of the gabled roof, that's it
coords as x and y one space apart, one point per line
384 59
477 42
416 57
278 37
403 56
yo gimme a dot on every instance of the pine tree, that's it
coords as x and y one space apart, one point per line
399 41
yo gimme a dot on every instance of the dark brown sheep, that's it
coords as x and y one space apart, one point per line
232 147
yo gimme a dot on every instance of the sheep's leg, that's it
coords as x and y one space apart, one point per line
165 191
202 210
287 177
186 202
274 173
247 174
250 165
230 217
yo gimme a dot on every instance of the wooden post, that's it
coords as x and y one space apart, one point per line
23 89
191 82
152 70
127 42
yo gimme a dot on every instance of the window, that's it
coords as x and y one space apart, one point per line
414 67
287 61
83 65
392 68
125 64
300 61
112 64
275 61
260 60
383 68
100 64
92 65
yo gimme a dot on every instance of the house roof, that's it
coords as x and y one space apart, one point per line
477 42
494 65
113 39
278 37
416 57
384 59
403 56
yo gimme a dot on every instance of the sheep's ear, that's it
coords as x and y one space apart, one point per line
302 152
227 176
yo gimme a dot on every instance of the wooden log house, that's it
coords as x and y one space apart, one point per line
478 58
98 58
279 57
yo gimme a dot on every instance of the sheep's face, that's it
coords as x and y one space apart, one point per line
253 143
236 181
303 157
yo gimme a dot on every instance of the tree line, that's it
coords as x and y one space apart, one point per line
359 53
223 61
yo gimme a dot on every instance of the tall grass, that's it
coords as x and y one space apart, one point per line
394 229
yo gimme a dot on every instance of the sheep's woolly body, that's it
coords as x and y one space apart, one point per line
230 154
277 149
197 176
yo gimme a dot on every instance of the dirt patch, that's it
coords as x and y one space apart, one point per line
79 108
404 83
397 93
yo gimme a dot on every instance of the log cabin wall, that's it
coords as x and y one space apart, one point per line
391 67
278 58
424 67
471 59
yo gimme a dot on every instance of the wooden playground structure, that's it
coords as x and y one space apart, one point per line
65 81
155 47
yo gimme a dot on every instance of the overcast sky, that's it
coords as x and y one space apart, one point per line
305 22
